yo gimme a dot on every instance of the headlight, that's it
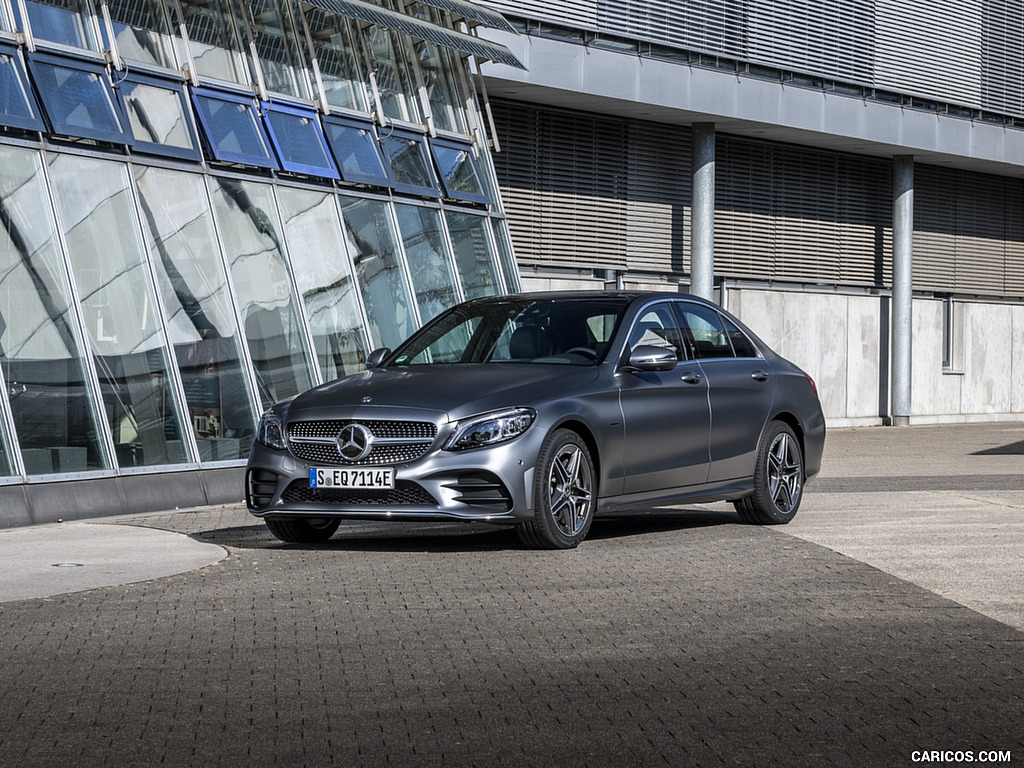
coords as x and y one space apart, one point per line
271 431
490 428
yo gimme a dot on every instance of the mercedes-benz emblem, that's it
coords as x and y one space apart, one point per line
354 442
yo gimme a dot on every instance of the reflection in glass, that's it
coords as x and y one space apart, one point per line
372 244
459 174
77 98
277 46
117 299
335 55
407 153
429 265
67 22
213 41
299 143
202 326
157 116
40 343
355 148
273 331
16 104
231 128
473 258
141 31
324 276
509 269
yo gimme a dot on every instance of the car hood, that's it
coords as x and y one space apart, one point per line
455 390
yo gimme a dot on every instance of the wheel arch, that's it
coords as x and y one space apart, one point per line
587 435
791 421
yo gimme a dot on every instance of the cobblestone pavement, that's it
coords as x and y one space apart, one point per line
669 640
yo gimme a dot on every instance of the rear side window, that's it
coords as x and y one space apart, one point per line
741 345
706 332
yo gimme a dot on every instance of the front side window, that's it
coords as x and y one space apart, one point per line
521 331
657 326
41 346
118 301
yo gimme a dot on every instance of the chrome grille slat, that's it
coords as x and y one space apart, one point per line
394 442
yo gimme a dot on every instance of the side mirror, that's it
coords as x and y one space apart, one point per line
376 357
647 357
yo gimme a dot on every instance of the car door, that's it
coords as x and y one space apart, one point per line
741 388
666 418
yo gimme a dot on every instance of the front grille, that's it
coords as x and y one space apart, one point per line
404 494
395 442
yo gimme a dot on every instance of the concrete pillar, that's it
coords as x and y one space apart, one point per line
902 286
702 227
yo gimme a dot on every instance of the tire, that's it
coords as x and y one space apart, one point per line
778 479
303 530
564 493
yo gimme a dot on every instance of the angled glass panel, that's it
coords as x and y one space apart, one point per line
254 245
119 304
437 67
232 130
18 107
407 155
41 346
326 283
66 22
213 41
430 267
77 98
395 82
201 322
371 241
474 260
460 176
158 117
335 50
298 141
509 268
142 32
277 46
357 152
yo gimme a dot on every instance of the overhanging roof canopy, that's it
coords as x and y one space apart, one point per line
421 30
471 12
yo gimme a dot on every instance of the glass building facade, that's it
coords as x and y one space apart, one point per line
207 206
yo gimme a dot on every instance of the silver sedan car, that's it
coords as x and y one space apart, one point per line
542 411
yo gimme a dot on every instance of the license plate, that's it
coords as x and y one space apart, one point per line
370 478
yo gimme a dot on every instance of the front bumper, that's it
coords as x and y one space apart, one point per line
490 484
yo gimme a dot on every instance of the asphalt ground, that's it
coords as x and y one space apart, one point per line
882 627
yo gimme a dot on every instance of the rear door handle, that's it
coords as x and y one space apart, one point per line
759 376
691 378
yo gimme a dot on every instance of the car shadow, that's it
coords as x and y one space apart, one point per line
359 536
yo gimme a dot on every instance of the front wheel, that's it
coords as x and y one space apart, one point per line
778 479
564 494
303 530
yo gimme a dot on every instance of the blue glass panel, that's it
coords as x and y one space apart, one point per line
158 117
460 175
18 108
60 22
232 131
298 141
357 152
406 151
77 98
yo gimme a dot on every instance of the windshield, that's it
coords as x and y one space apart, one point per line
563 332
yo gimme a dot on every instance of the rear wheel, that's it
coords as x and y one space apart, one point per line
778 479
303 530
563 492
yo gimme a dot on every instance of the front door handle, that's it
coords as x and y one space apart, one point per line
691 378
759 376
